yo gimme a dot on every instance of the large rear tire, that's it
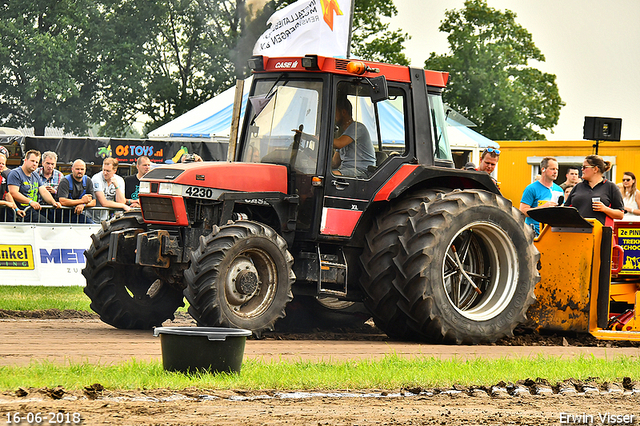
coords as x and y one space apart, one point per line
118 292
460 238
240 277
379 279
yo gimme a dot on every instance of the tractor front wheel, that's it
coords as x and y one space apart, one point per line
240 277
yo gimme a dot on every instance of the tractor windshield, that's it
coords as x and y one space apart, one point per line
285 124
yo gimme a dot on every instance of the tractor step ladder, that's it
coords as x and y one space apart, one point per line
333 273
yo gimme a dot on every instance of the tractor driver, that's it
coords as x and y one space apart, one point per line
354 150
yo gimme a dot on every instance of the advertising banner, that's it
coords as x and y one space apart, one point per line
94 150
45 255
319 27
127 152
628 236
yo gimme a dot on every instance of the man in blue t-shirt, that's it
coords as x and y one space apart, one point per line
27 188
543 192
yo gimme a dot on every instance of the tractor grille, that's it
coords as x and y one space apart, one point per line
163 173
157 209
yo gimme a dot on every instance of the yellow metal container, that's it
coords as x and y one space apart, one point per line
575 292
569 262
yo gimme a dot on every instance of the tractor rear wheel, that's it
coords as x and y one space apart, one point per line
122 294
240 277
379 271
468 268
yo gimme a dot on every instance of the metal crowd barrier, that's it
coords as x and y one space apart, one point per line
49 214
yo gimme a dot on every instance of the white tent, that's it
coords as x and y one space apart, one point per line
211 120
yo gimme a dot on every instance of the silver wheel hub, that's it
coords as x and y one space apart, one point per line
242 282
480 271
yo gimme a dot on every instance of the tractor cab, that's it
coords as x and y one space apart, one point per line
342 128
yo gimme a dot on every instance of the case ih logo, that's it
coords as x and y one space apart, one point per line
293 64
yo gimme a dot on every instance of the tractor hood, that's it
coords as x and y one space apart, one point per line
242 177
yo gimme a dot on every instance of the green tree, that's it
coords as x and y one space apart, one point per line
160 69
46 64
126 45
490 81
201 48
371 38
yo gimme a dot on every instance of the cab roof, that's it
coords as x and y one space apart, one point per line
314 63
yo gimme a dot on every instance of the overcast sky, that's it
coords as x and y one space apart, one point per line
592 46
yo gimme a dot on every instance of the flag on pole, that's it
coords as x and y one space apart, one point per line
317 27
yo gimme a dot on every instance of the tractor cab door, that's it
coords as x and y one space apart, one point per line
284 122
369 146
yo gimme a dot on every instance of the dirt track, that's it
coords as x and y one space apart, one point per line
88 339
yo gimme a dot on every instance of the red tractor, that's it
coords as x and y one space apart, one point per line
433 252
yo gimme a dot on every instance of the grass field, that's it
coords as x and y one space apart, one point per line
390 373
31 298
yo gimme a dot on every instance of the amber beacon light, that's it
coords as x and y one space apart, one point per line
359 68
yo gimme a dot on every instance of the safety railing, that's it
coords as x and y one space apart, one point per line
49 214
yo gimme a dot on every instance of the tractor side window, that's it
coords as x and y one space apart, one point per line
391 122
440 140
355 132
285 125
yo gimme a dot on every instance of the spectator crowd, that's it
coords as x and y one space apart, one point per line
592 194
40 193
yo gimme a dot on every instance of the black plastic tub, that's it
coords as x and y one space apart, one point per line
204 349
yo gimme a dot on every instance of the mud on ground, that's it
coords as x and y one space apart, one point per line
373 407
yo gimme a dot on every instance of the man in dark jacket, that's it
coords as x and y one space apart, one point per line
76 190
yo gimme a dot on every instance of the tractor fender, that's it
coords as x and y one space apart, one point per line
410 176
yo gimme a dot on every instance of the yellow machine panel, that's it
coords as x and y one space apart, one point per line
575 292
562 295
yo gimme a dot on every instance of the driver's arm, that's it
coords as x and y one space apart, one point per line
335 161
342 141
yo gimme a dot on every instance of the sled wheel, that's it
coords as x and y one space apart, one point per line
240 277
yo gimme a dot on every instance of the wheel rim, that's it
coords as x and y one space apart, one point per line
136 283
482 253
334 303
251 283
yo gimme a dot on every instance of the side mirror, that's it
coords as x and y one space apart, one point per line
379 89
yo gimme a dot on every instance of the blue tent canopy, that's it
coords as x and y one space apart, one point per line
217 124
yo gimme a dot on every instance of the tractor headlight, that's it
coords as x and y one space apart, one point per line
145 188
165 189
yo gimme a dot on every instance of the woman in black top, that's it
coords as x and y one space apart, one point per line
596 196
